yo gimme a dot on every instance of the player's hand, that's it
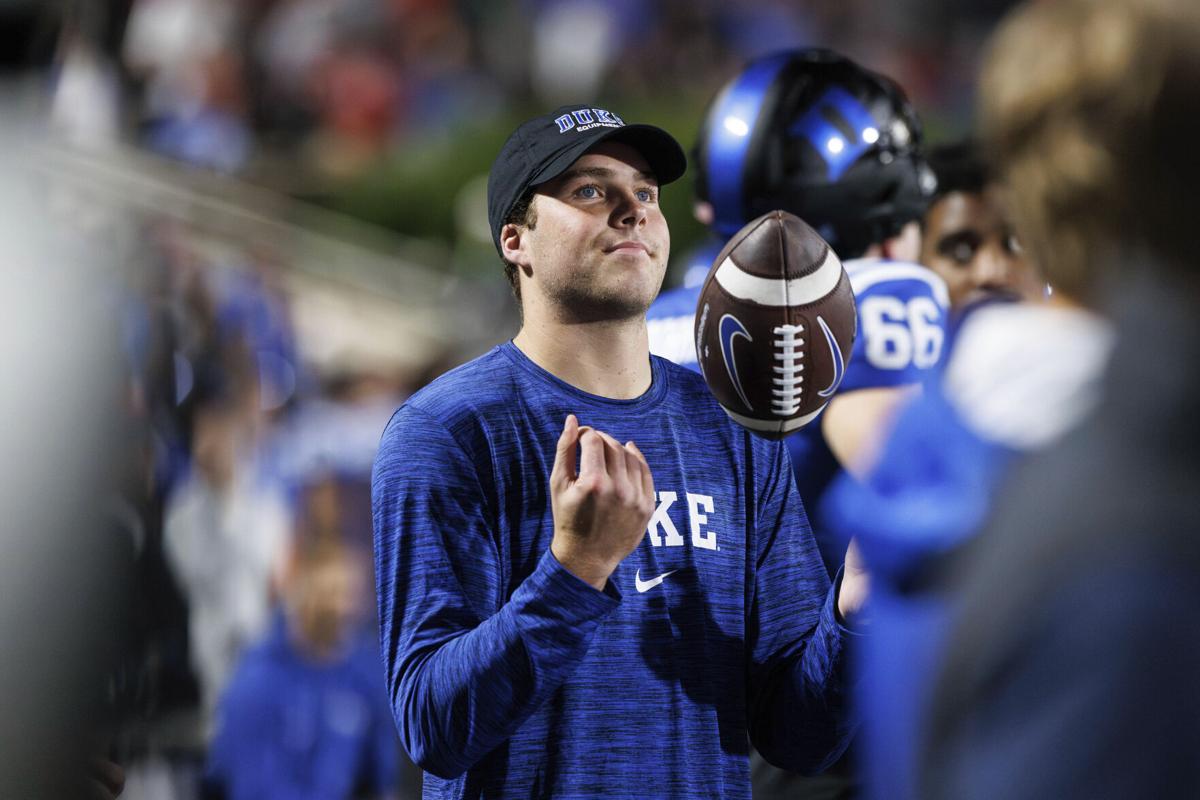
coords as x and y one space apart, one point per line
856 585
601 512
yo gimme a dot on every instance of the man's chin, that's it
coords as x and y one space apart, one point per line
622 299
606 308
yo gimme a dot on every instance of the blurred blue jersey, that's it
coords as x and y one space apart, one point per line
669 318
902 320
669 324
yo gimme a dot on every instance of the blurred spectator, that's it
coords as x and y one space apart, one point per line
252 307
290 38
574 42
84 106
358 101
183 50
227 524
305 715
338 429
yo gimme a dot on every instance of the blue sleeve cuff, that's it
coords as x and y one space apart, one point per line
555 566
556 613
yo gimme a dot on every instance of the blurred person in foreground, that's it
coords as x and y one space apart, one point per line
512 504
305 714
1071 669
968 237
67 550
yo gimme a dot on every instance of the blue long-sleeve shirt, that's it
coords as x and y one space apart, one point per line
510 677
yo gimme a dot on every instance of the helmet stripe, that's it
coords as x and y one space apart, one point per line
732 123
838 151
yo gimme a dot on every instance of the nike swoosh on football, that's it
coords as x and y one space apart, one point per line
731 327
645 586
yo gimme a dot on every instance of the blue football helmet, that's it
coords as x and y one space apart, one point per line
813 133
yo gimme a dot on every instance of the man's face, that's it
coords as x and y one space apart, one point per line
969 242
599 248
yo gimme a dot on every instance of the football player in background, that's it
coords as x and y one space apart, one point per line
968 236
813 133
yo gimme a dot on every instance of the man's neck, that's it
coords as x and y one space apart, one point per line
610 359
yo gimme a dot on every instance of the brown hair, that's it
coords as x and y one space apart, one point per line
1088 112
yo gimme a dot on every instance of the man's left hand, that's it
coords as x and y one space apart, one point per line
856 585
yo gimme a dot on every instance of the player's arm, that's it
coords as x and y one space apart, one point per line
466 664
901 331
856 424
798 715
902 328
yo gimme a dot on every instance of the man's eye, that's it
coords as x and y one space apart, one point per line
588 192
962 252
645 195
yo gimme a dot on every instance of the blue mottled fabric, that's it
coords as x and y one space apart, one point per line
510 677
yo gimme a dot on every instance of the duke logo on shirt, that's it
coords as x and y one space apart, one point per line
662 530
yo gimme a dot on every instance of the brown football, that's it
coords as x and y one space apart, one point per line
775 325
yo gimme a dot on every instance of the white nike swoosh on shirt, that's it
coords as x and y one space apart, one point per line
645 586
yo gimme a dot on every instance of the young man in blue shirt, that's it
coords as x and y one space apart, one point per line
590 581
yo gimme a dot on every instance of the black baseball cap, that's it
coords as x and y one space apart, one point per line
542 149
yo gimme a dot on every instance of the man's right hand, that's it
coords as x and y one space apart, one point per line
601 513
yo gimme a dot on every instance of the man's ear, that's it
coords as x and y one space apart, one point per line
512 245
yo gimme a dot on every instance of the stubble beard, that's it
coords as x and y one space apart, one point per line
579 301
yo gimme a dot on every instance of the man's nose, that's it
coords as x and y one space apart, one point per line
991 269
630 211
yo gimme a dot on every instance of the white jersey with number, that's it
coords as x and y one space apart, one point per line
902 315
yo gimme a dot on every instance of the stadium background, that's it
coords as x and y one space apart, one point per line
275 209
